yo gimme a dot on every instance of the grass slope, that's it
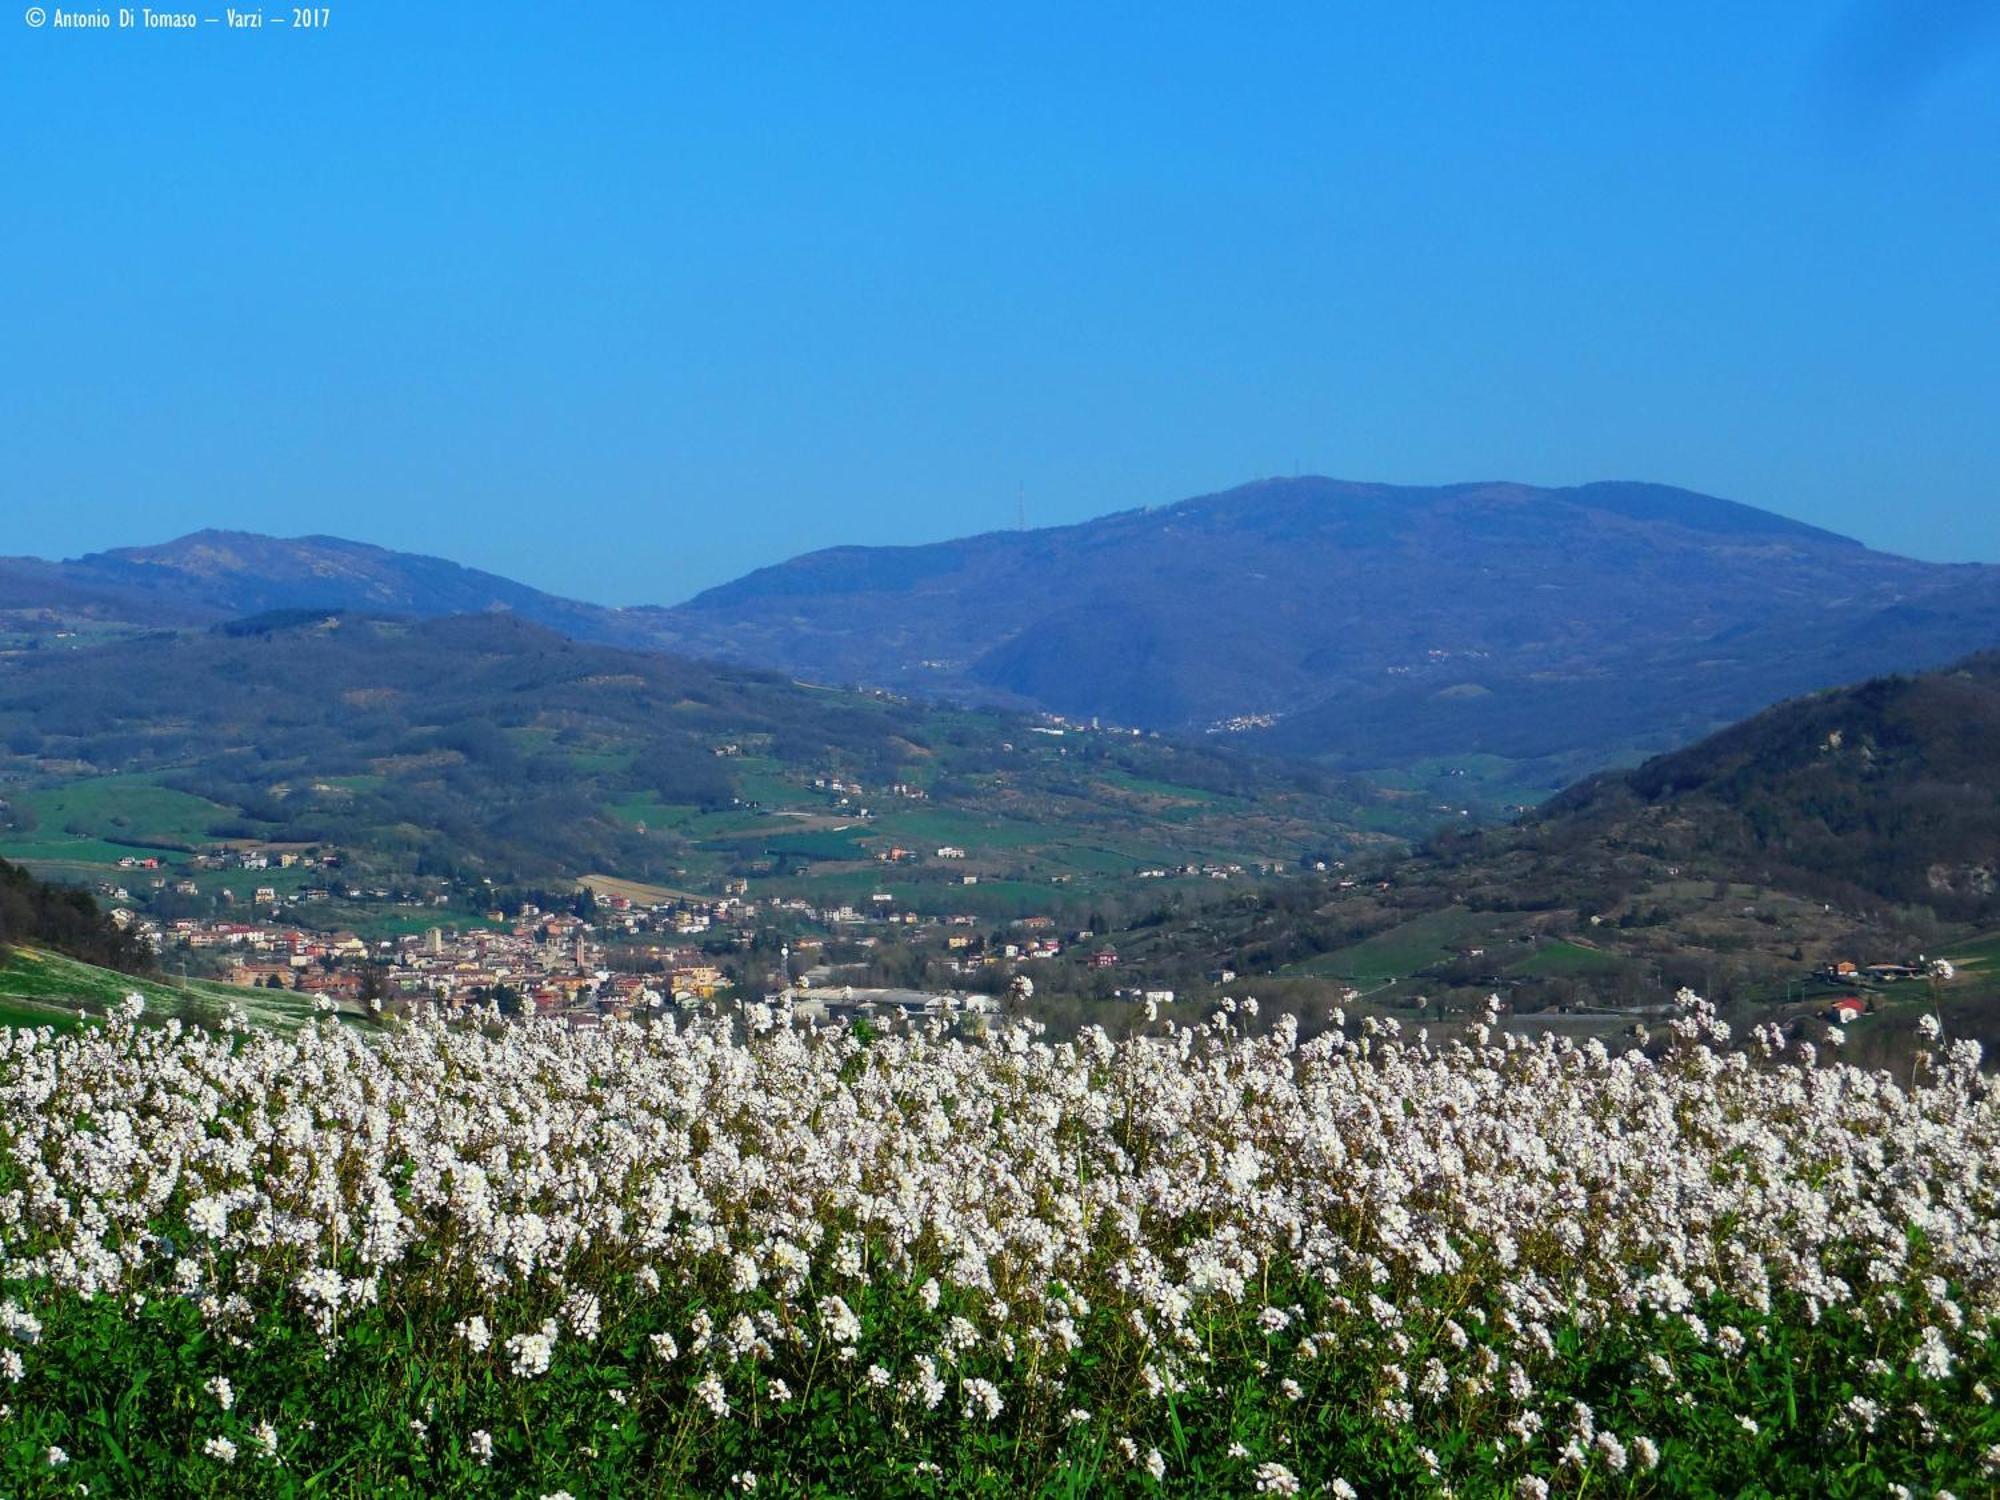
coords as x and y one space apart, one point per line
39 987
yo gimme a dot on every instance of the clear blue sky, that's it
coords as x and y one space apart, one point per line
625 299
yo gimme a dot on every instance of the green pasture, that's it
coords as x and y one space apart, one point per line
1981 953
1562 960
124 807
88 856
926 830
33 978
1172 791
1401 950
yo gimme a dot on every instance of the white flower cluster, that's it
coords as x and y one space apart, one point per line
1014 1190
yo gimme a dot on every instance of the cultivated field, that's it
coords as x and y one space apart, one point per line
518 1260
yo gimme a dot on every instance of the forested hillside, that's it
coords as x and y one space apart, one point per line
1859 824
1890 788
1559 630
62 917
490 747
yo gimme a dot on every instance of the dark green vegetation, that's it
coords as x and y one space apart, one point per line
1859 824
1884 792
482 746
35 912
390 1412
1566 629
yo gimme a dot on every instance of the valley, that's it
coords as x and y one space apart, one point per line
1000 753
361 790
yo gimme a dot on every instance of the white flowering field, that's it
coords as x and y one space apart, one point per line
518 1260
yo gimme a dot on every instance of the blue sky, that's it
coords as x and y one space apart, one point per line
625 299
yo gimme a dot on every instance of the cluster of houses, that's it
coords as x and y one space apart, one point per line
279 858
626 956
551 962
615 954
1845 972
1850 1008
243 858
896 854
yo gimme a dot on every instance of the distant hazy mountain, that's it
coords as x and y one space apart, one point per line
1371 623
1367 624
218 575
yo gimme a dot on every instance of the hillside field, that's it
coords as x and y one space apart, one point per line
39 987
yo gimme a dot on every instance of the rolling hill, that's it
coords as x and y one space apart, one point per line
1858 823
1371 624
62 958
488 747
210 576
46 987
1888 790
34 911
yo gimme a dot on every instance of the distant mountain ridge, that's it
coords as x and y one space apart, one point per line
208 576
1370 625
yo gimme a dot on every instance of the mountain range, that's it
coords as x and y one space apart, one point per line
1553 630
1373 624
140 712
210 576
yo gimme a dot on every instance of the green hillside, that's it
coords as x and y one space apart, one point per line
1887 791
34 911
39 987
483 747
1855 825
62 959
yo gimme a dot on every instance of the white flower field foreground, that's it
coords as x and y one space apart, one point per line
517 1259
